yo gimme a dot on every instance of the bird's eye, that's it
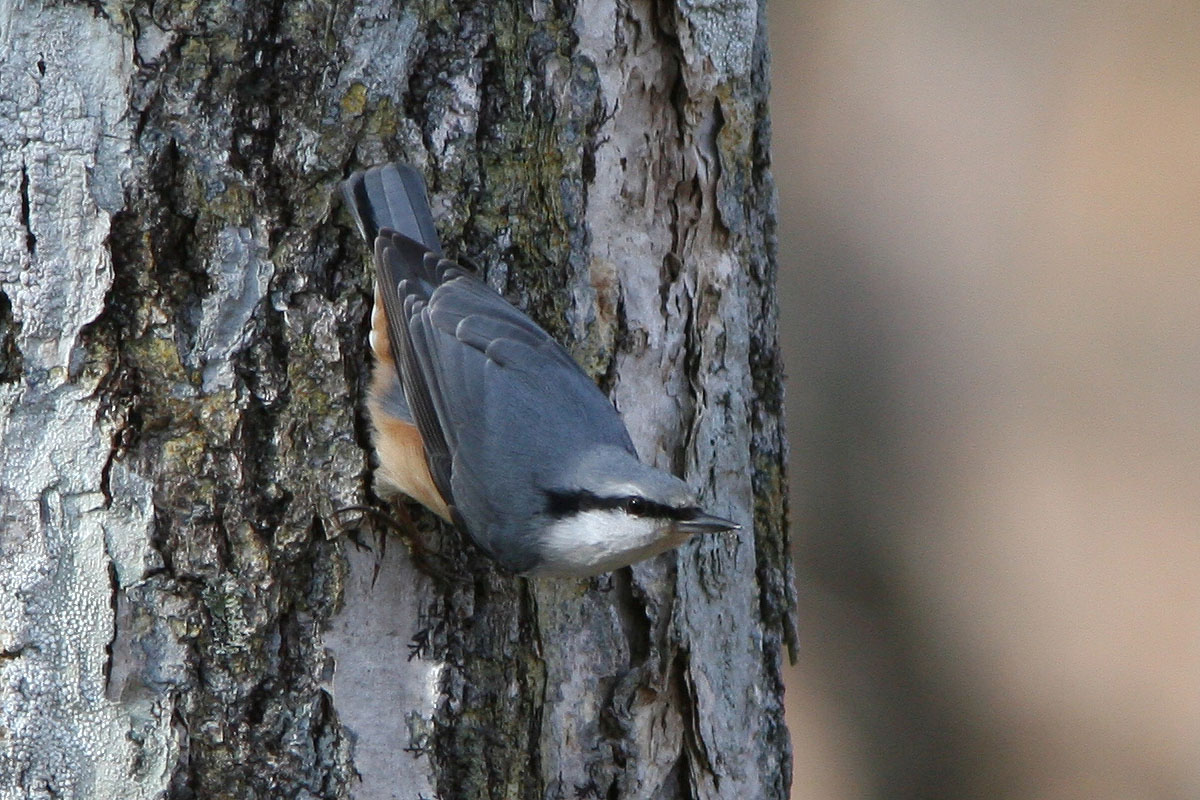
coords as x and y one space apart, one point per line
636 506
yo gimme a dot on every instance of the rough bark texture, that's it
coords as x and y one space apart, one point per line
182 365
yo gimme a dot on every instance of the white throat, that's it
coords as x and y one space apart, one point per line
599 540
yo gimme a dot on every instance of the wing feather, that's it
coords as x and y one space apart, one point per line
397 256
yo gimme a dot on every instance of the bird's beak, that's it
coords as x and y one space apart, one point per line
706 523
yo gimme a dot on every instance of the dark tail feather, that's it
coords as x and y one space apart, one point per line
391 196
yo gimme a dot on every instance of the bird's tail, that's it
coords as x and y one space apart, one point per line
391 196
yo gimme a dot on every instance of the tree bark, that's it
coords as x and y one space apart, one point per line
183 311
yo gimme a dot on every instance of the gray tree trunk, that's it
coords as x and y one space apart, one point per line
182 365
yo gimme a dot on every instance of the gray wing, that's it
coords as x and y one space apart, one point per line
495 398
407 273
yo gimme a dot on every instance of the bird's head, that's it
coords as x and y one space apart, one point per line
611 510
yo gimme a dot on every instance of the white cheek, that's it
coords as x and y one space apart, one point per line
597 541
373 340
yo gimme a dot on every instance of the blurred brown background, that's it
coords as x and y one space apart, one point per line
990 261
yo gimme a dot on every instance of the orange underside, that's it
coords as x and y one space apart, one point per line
398 443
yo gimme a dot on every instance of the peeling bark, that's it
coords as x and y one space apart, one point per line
182 367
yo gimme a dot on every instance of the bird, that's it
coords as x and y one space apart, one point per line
479 415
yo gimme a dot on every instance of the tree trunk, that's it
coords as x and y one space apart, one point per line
182 369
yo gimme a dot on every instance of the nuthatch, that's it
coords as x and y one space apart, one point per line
483 418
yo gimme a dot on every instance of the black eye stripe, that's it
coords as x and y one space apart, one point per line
561 504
